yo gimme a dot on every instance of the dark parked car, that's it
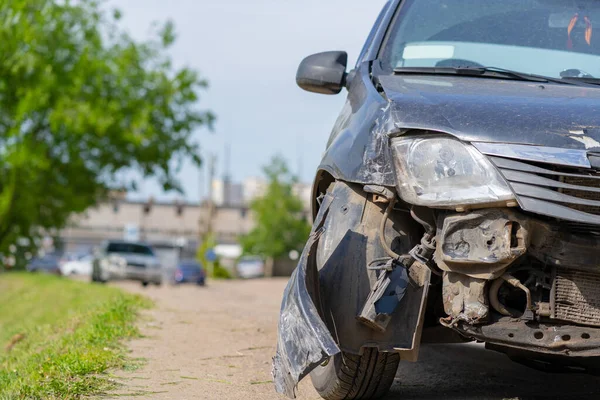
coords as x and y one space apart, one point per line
189 271
458 198
49 264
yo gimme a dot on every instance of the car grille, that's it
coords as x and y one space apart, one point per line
576 297
136 265
569 195
580 194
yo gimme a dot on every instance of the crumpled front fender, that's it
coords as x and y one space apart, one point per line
332 284
304 340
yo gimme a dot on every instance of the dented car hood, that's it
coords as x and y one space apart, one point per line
497 111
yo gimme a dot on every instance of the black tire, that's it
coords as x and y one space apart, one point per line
157 283
97 278
97 274
348 376
145 284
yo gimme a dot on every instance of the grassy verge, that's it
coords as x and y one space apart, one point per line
58 336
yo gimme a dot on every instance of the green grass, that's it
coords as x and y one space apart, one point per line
73 334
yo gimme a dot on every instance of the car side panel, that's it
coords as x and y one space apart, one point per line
358 149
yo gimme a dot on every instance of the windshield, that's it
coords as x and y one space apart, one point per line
189 266
545 37
129 248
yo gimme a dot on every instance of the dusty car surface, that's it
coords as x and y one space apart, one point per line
458 198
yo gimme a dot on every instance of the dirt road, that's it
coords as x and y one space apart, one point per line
213 342
217 343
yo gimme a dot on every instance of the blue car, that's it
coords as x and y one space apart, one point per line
49 264
190 271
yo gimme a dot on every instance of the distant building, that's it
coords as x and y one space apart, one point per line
242 194
225 193
155 222
176 223
304 193
254 188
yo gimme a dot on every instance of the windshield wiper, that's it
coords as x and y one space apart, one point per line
485 72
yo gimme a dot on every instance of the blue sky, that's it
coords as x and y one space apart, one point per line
249 51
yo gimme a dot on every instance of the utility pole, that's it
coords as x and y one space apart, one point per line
207 206
227 177
205 221
200 184
209 203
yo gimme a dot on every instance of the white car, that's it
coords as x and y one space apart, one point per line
250 267
81 266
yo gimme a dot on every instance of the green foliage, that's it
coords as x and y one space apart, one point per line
209 242
220 272
214 269
280 223
72 335
80 102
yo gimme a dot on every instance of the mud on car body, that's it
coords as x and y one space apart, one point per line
458 198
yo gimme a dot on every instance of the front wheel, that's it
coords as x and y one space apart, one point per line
348 376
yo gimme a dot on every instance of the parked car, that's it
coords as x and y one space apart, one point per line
127 260
189 271
458 198
108 267
49 264
78 265
249 267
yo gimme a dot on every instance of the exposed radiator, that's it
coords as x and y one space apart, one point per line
576 297
583 182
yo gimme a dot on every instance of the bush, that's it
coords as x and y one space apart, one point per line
220 272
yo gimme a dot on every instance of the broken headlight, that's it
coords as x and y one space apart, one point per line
444 172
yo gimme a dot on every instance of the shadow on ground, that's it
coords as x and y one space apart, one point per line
471 372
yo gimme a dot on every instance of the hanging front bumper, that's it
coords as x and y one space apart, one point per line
304 340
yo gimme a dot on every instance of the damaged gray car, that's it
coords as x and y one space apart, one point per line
458 199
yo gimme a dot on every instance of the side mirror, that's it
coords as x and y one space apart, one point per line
323 73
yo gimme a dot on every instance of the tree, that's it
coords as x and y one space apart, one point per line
280 224
81 102
213 268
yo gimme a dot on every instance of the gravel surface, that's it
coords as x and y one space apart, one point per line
217 342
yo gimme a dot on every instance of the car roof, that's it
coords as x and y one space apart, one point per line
189 261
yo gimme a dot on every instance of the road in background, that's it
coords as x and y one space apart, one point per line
217 343
213 342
